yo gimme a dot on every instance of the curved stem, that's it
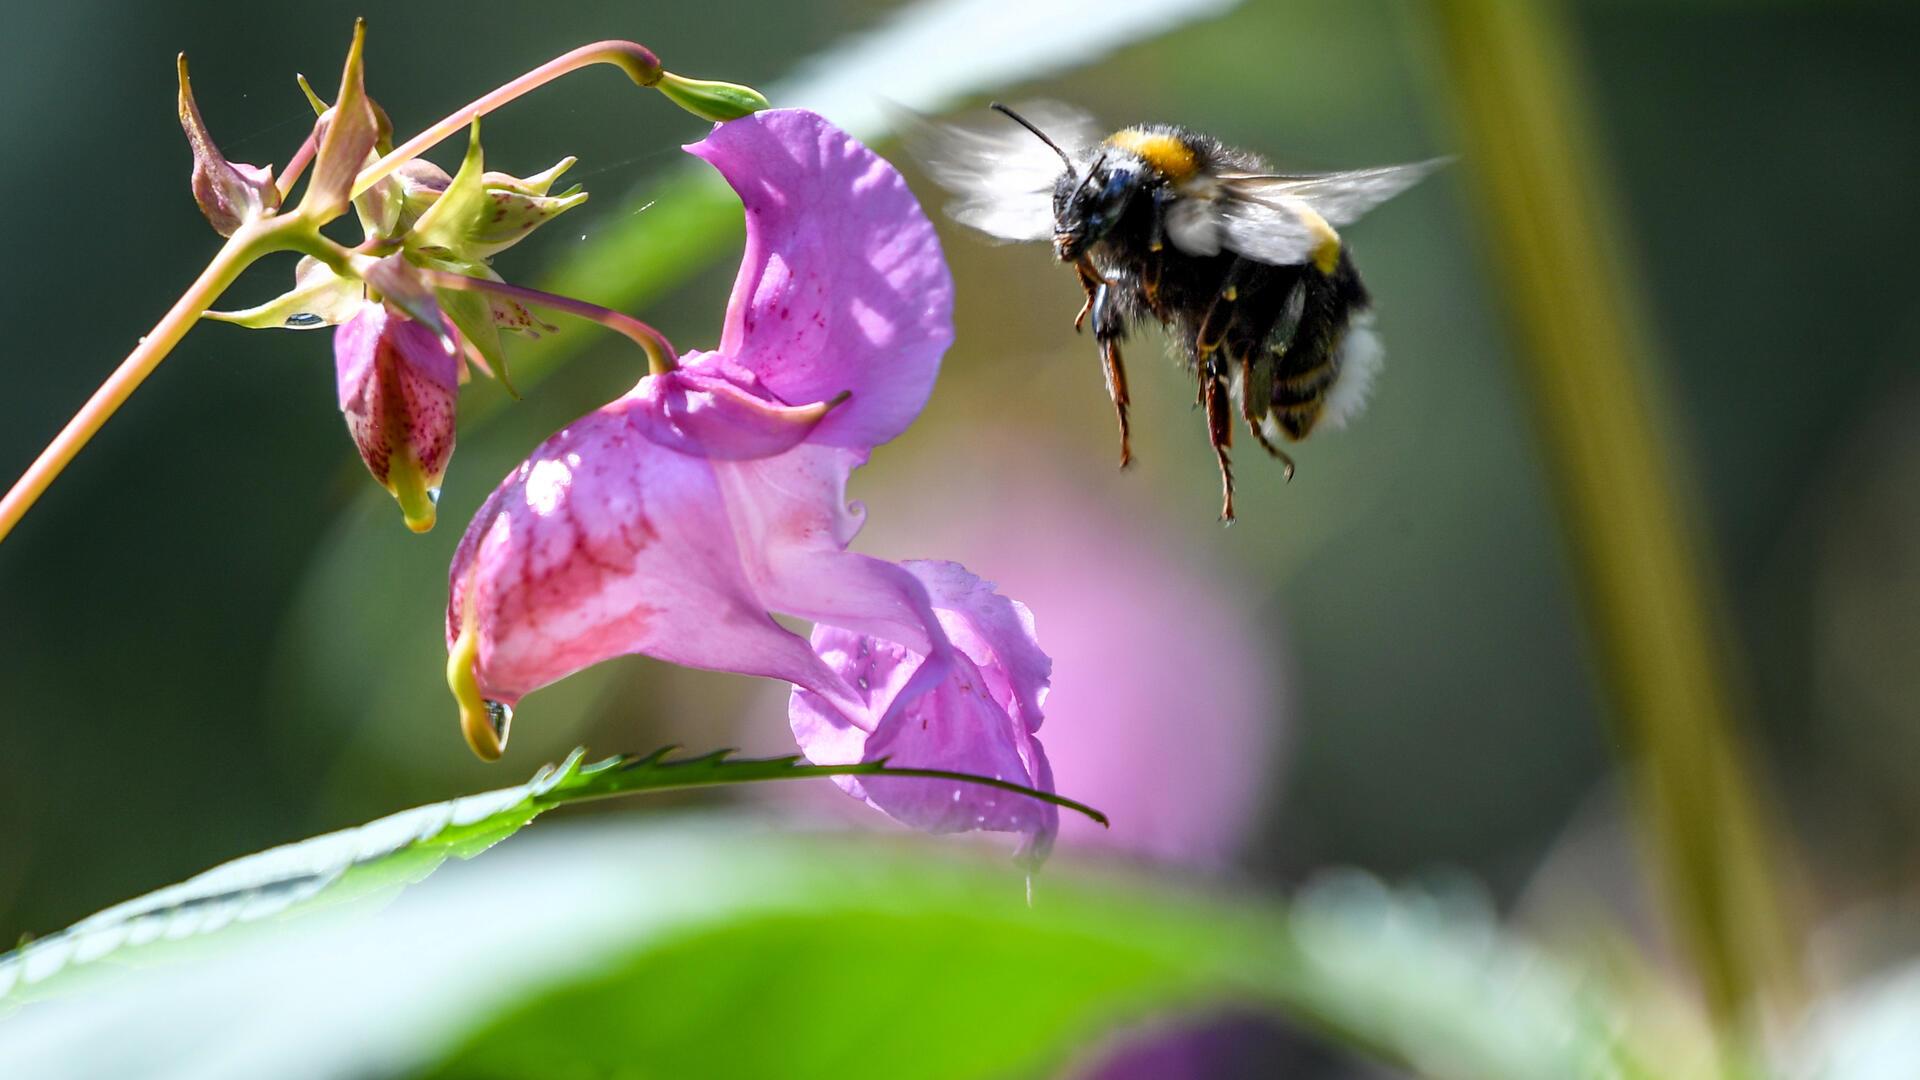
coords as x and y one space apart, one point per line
247 244
636 60
660 355
1623 494
296 165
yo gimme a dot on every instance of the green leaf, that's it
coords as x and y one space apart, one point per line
401 849
710 948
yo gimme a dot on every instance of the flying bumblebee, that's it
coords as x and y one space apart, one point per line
1243 266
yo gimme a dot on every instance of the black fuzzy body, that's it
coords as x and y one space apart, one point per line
1282 326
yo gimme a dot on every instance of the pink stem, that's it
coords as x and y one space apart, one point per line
295 166
661 357
636 60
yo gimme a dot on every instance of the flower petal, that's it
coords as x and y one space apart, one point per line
979 717
605 543
843 286
697 410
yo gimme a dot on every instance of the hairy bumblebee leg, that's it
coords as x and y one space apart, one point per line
1219 431
1116 371
1213 327
1250 393
1107 332
1091 282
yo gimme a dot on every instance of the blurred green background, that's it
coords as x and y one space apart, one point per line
216 590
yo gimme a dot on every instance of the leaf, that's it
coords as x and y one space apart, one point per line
704 948
931 56
403 848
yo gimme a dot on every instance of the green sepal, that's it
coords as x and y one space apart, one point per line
319 298
711 100
473 314
447 222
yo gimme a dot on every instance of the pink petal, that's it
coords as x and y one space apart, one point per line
605 543
708 408
843 286
979 717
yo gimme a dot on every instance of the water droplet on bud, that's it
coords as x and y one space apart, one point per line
499 718
304 320
433 496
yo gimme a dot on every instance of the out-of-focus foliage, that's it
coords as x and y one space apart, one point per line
710 949
396 850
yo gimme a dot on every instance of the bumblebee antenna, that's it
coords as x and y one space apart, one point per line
1037 133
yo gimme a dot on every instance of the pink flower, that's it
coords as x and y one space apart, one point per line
398 380
1148 639
674 520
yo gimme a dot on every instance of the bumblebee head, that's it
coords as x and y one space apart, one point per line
1087 206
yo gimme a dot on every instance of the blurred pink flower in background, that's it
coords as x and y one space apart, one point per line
1166 706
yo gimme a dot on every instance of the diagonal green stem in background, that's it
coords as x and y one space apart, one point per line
1621 489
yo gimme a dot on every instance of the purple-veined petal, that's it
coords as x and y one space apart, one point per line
605 543
843 287
980 716
697 410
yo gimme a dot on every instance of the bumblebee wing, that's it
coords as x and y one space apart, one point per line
1002 176
1340 197
1284 219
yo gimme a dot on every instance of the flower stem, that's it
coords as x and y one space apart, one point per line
660 355
295 166
636 60
247 244
1622 493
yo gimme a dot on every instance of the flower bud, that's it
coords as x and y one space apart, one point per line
347 134
709 100
229 193
397 382
478 214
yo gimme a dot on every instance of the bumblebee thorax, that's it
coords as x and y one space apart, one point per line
1164 152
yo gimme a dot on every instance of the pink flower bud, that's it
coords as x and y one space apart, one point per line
397 383
229 193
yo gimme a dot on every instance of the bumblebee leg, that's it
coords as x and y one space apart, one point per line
1117 389
1220 315
1090 282
1256 390
1213 390
1107 331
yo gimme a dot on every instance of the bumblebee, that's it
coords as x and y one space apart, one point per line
1243 266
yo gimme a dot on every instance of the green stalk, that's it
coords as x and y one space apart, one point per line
1623 492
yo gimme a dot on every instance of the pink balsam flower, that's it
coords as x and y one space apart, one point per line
674 520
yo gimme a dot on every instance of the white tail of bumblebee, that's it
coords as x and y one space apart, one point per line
1359 362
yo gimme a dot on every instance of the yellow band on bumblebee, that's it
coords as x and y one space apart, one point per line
1164 152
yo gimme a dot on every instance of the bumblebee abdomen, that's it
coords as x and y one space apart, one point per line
1324 362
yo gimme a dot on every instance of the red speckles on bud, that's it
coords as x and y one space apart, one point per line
397 382
229 193
477 214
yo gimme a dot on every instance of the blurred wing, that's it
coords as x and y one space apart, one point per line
1283 220
1003 177
1339 197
